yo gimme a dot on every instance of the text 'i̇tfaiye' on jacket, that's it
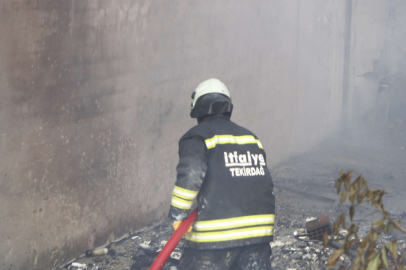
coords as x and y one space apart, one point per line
244 164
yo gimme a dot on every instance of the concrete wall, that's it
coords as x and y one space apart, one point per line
95 95
368 37
377 51
393 58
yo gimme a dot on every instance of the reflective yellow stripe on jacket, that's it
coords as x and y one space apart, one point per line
231 234
231 223
230 139
232 228
183 198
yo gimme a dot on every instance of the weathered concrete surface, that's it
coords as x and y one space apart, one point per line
368 37
95 95
378 51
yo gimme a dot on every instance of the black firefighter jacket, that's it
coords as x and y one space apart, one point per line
224 166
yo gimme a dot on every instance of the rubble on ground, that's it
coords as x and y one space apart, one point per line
140 249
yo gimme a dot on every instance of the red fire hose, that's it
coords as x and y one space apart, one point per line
173 241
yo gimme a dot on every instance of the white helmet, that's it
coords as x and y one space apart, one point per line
211 97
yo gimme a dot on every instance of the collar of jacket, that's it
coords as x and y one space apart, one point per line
222 116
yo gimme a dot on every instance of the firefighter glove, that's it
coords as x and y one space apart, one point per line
176 225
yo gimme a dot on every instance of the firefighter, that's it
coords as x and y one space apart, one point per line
223 166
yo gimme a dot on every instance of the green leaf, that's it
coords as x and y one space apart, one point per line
325 240
356 262
359 182
387 227
366 187
334 258
393 249
379 223
343 196
351 197
348 176
356 233
401 266
338 185
347 183
360 196
335 230
384 259
364 242
353 228
342 221
374 236
375 262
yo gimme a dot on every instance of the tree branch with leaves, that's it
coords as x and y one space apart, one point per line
367 256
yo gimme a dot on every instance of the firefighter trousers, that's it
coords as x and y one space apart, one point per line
253 257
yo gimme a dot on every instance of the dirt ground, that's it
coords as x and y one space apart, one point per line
378 152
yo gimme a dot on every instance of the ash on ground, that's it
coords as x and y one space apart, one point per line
378 154
140 250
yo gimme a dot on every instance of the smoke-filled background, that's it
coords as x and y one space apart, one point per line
95 95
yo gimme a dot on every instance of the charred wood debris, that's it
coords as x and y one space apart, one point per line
292 248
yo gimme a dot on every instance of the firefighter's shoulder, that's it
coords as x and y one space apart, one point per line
201 131
244 130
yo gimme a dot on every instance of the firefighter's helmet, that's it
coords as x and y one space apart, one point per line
211 97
